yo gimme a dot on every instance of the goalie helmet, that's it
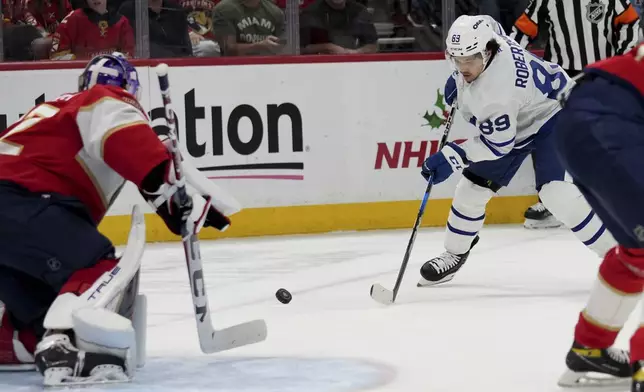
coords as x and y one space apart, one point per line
110 69
469 36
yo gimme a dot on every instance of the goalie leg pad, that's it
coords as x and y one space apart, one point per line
109 289
569 206
466 216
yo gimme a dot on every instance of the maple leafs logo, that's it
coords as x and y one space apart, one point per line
433 119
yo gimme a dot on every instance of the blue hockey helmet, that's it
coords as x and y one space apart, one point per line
110 69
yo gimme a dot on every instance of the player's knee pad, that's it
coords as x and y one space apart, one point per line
466 216
568 205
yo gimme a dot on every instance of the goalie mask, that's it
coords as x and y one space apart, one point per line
110 69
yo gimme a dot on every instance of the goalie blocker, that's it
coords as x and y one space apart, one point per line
60 281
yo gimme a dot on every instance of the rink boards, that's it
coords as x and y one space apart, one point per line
305 148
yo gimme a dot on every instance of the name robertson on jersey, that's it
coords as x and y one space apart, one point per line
520 67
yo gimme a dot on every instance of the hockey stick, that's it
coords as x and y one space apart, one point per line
378 292
210 340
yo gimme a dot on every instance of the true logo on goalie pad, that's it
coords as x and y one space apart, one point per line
104 283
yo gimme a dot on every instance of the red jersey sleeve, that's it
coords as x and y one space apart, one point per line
115 130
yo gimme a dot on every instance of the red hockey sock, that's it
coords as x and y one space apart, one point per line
637 345
613 297
8 353
83 279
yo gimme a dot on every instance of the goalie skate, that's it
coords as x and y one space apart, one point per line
591 367
538 217
62 364
442 269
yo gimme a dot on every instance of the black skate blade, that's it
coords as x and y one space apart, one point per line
593 381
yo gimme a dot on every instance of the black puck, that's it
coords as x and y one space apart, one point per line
283 296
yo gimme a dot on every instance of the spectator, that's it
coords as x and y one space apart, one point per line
168 27
248 27
90 31
337 27
45 15
202 35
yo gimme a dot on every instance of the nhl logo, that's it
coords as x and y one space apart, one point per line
595 11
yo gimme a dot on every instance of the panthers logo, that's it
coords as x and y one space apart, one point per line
103 26
200 22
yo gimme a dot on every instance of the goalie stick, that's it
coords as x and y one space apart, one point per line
378 292
210 339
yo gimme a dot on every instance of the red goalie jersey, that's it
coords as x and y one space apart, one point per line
83 145
84 34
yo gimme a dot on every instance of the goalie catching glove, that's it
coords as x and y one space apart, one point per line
207 206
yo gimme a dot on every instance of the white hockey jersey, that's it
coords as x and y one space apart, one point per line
509 102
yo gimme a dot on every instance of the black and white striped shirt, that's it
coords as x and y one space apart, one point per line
580 31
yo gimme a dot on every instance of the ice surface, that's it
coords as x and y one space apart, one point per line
504 323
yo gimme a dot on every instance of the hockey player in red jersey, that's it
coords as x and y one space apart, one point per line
88 32
61 166
600 139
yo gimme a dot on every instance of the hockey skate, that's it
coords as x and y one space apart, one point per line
442 269
538 217
62 364
611 367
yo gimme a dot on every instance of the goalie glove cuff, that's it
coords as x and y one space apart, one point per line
160 188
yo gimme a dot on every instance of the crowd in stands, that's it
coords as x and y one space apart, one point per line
80 29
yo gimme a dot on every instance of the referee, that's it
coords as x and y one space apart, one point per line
580 31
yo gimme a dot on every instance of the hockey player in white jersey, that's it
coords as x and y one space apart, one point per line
508 95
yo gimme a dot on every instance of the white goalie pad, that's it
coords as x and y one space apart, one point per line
108 287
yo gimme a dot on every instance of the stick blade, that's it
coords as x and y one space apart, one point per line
239 335
382 295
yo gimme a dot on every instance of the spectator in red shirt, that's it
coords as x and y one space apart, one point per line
91 31
45 15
